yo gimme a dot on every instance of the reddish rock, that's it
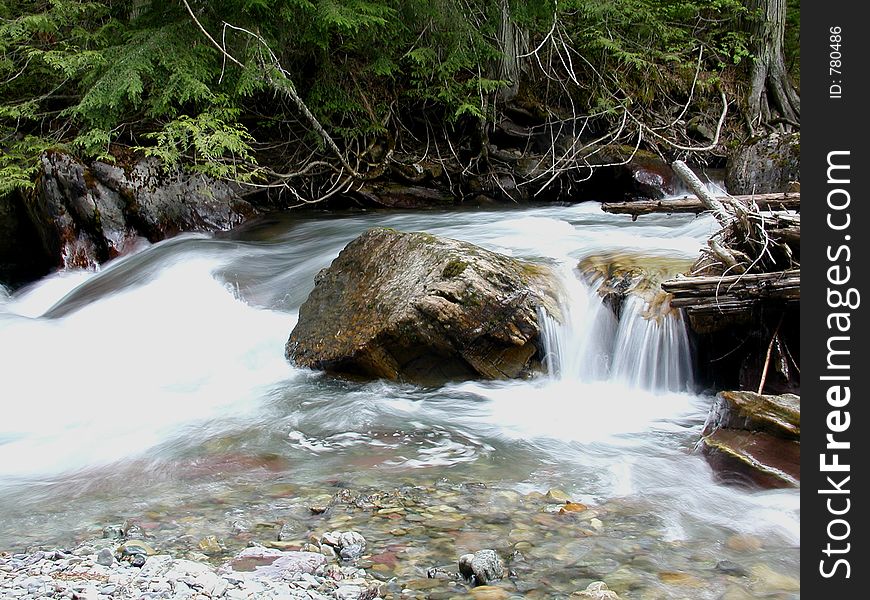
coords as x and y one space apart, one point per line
756 457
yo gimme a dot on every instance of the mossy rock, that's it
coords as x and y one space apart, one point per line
769 164
423 309
777 415
617 275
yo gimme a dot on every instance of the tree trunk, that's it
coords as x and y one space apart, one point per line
772 98
514 42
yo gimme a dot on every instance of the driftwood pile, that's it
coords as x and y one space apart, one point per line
754 257
742 297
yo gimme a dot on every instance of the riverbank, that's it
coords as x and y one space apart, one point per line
92 571
550 546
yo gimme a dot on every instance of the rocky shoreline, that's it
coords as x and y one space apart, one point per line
436 543
93 571
87 574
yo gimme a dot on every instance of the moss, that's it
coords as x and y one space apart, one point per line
453 269
532 272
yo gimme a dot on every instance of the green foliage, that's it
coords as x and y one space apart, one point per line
19 162
95 74
647 48
212 142
153 73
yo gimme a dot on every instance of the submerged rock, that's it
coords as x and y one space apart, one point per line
276 564
415 307
597 590
349 545
619 275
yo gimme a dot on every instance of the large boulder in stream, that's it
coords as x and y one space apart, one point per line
754 437
419 308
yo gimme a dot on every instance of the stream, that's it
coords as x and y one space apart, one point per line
155 394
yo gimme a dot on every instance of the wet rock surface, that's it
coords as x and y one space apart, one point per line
753 456
754 438
624 173
778 415
415 307
87 214
619 275
481 567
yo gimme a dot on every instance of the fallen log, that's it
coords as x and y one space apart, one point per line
691 204
788 235
733 292
710 202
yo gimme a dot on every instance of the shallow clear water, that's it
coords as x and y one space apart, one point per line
156 391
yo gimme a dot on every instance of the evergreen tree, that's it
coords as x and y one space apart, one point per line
253 89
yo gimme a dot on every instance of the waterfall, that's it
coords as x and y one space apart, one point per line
652 351
580 346
646 347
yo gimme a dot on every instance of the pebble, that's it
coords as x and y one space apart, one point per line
136 547
80 575
287 532
488 592
482 567
736 592
730 568
210 545
743 543
556 496
679 578
113 532
350 545
105 558
766 580
138 560
406 532
597 590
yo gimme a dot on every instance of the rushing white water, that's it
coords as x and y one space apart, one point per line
652 352
643 350
122 374
118 386
580 347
